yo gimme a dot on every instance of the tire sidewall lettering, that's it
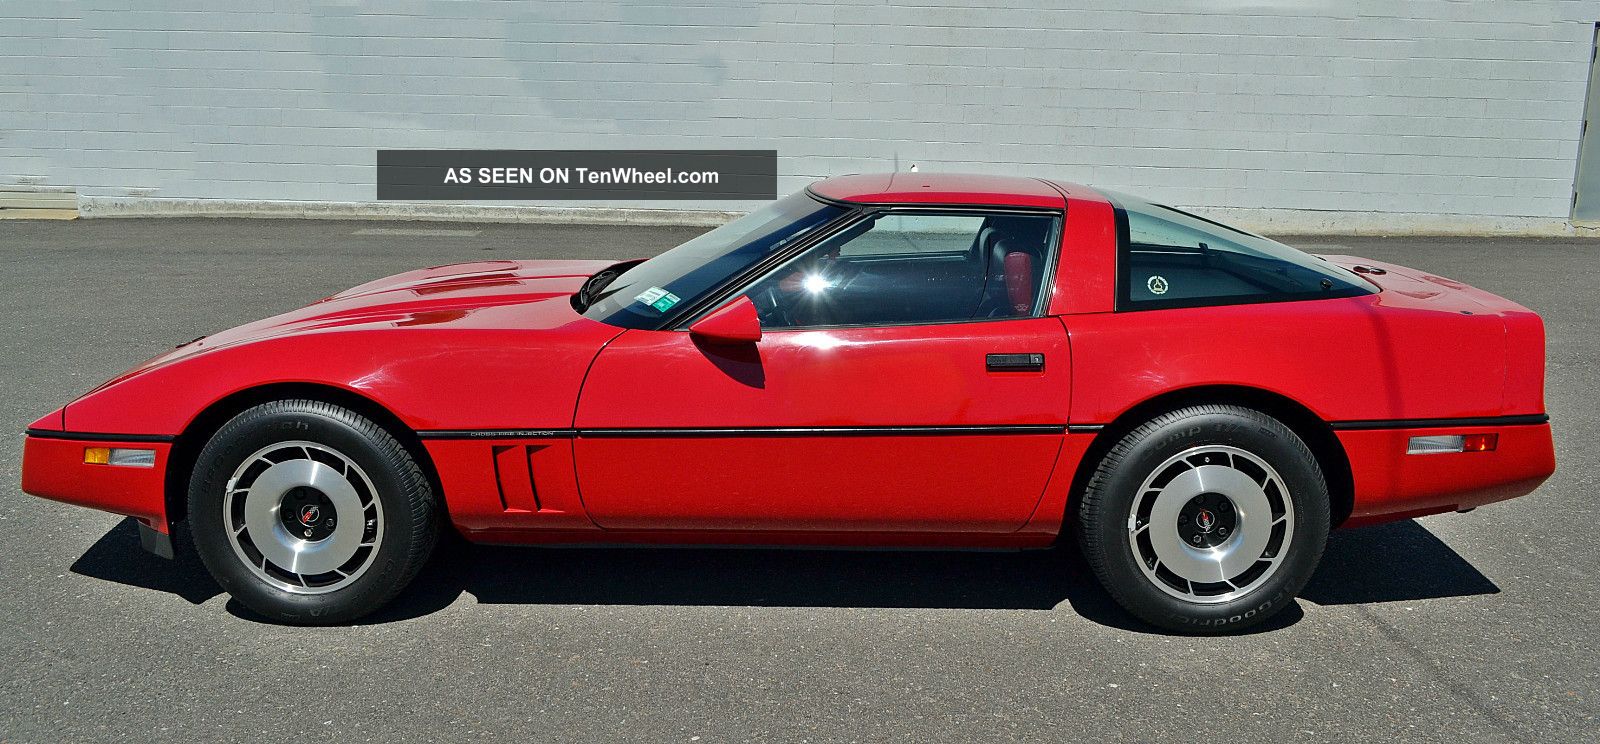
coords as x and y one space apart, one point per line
1212 622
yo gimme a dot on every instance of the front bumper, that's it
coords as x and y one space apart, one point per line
53 467
1391 485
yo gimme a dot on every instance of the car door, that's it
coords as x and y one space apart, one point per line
905 380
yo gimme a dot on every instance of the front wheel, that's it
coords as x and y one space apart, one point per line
1206 519
310 513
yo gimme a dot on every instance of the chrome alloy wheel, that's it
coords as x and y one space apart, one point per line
1211 523
303 516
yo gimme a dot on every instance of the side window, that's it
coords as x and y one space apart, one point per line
915 234
903 268
1170 258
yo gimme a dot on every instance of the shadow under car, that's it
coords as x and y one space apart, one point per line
1401 561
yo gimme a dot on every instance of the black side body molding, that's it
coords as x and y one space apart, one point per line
1522 420
497 434
86 436
773 431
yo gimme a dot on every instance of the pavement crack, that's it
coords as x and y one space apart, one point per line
1473 699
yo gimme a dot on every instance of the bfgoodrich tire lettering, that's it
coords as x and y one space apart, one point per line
309 513
1206 519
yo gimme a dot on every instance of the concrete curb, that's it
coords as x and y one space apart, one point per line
1270 221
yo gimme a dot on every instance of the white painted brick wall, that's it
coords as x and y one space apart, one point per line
1433 107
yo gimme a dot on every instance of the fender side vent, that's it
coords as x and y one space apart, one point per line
513 474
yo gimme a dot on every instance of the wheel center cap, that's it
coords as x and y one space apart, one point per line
1207 521
307 513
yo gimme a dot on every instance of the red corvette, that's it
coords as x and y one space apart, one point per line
880 360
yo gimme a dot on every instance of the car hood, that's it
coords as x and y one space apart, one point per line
425 297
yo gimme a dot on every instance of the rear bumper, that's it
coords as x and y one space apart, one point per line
1390 484
53 468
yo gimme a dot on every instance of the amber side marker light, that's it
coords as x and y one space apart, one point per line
1446 443
133 458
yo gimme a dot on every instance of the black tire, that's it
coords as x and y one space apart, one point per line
398 522
1127 477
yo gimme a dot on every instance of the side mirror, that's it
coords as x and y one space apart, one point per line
733 323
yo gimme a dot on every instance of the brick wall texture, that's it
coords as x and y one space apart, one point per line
1437 107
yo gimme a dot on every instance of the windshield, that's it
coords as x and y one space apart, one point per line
646 293
1170 258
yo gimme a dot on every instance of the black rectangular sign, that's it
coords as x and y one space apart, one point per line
515 175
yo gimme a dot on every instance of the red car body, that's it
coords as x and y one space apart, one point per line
541 425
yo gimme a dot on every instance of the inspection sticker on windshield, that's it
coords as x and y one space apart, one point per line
658 298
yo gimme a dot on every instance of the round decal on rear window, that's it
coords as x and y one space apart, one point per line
1157 284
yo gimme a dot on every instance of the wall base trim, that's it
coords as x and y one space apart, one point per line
1326 222
101 206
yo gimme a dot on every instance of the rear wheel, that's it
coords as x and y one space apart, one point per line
309 513
1206 519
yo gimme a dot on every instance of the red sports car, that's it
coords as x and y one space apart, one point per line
881 360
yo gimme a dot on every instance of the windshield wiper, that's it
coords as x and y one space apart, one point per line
595 284
592 285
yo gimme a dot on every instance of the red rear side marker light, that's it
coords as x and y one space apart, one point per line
1439 444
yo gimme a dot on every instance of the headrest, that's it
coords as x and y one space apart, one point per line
1019 281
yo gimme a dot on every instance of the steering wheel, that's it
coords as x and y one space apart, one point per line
775 309
781 297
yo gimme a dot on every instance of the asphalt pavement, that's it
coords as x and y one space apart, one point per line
1454 628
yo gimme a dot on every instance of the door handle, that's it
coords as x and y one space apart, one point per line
1014 362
